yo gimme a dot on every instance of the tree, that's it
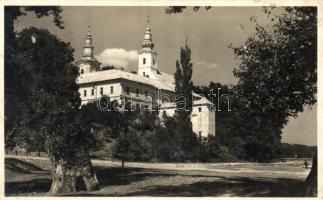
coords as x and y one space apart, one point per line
183 83
108 67
51 108
276 60
42 100
137 142
226 118
180 9
168 149
112 123
277 75
184 135
132 130
14 80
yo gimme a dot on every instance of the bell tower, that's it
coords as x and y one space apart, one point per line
88 63
88 47
147 65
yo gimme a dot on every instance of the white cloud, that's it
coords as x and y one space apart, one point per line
206 65
118 57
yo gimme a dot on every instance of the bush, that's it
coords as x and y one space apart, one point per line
135 146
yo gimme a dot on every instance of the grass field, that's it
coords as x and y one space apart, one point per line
30 176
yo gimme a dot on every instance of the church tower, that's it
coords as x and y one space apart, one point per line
147 65
88 63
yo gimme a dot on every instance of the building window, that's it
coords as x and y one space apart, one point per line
153 61
84 93
144 61
200 109
111 89
164 113
82 71
146 93
137 106
137 92
144 74
101 90
92 92
128 90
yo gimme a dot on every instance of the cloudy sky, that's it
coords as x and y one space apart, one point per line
118 33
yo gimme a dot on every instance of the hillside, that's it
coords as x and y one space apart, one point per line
297 150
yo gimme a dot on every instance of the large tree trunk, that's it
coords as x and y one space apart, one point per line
311 180
89 177
64 178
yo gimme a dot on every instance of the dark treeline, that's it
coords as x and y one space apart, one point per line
297 151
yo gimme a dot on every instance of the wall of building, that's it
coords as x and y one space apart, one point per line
84 68
96 87
202 117
147 95
202 120
149 67
212 123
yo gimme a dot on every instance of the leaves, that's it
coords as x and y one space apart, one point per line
180 9
49 102
184 136
277 75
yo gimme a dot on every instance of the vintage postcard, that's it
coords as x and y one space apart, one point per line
161 99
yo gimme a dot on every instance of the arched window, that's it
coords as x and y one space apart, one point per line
82 71
144 61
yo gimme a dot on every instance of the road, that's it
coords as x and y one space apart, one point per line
167 179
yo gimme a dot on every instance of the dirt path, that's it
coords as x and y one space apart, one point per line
169 179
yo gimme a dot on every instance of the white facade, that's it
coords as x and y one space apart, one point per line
202 116
147 65
147 56
146 89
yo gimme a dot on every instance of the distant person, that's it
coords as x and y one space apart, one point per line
305 164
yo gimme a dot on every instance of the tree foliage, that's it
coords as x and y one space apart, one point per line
228 143
42 100
137 141
180 9
277 69
184 135
16 78
183 83
50 100
277 75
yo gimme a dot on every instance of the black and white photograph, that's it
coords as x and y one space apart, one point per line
156 100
